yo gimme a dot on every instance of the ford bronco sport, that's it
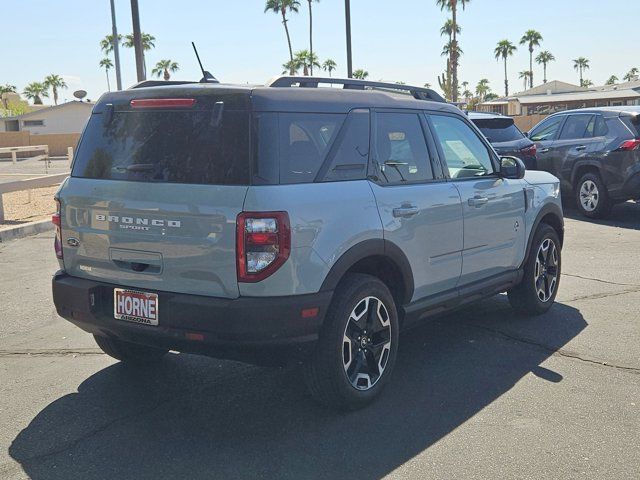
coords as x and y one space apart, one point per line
293 222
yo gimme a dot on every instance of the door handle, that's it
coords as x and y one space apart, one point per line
477 201
544 150
405 211
581 147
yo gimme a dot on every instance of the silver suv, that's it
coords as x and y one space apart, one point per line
288 222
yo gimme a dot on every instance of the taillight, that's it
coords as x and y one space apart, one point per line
263 244
56 219
629 145
163 103
531 150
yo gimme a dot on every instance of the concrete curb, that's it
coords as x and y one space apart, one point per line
20 231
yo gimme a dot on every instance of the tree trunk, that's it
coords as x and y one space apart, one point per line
310 37
544 67
106 70
286 29
55 95
506 79
167 75
530 66
454 53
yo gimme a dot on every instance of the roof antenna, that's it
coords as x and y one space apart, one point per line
206 76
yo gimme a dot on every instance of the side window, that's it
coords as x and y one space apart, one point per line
546 130
401 147
575 127
464 153
601 129
350 155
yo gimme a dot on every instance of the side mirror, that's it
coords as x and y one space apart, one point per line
512 167
526 134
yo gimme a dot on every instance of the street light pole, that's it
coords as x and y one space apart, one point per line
116 45
347 16
137 40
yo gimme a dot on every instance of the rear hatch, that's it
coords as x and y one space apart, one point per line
503 135
158 180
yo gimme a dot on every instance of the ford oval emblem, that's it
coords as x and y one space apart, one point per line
73 242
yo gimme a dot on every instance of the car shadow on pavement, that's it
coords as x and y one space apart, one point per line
194 417
623 215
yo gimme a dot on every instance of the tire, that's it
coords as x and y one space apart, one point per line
129 352
336 374
541 272
592 198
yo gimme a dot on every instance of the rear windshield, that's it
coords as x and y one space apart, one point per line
499 130
169 146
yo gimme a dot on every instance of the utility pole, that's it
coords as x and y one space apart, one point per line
116 45
137 40
347 16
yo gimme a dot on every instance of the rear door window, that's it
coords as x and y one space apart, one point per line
547 130
349 156
168 146
402 155
576 127
499 130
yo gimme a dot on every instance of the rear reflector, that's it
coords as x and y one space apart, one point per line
163 103
56 219
310 312
629 145
531 150
199 337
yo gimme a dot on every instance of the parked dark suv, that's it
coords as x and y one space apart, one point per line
594 152
505 137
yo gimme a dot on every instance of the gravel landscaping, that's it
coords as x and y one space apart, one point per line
18 209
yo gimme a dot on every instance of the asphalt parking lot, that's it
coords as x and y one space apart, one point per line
482 393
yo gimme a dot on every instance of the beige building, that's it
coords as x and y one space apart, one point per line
69 117
557 96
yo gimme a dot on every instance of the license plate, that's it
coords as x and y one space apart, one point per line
135 306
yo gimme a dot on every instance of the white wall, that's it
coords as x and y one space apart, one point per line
69 118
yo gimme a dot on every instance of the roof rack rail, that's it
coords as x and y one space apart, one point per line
159 83
419 93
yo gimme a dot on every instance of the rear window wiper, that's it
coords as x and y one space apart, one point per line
137 167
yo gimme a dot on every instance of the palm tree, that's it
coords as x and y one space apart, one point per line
282 7
291 67
329 65
447 29
482 89
36 91
54 82
107 65
533 38
163 67
306 60
452 6
427 85
525 75
6 88
587 83
311 31
581 64
448 47
544 58
612 80
360 73
107 45
148 41
630 74
503 50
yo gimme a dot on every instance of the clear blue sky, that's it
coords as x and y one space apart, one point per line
396 40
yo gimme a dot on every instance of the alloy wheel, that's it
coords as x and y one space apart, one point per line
546 270
366 343
589 195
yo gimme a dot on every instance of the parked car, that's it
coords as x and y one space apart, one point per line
273 224
595 154
505 137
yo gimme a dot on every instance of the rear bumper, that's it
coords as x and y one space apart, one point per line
245 328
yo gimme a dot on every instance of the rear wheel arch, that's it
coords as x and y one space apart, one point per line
380 258
581 169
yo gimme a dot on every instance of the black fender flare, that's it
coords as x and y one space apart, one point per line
368 248
548 209
583 163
